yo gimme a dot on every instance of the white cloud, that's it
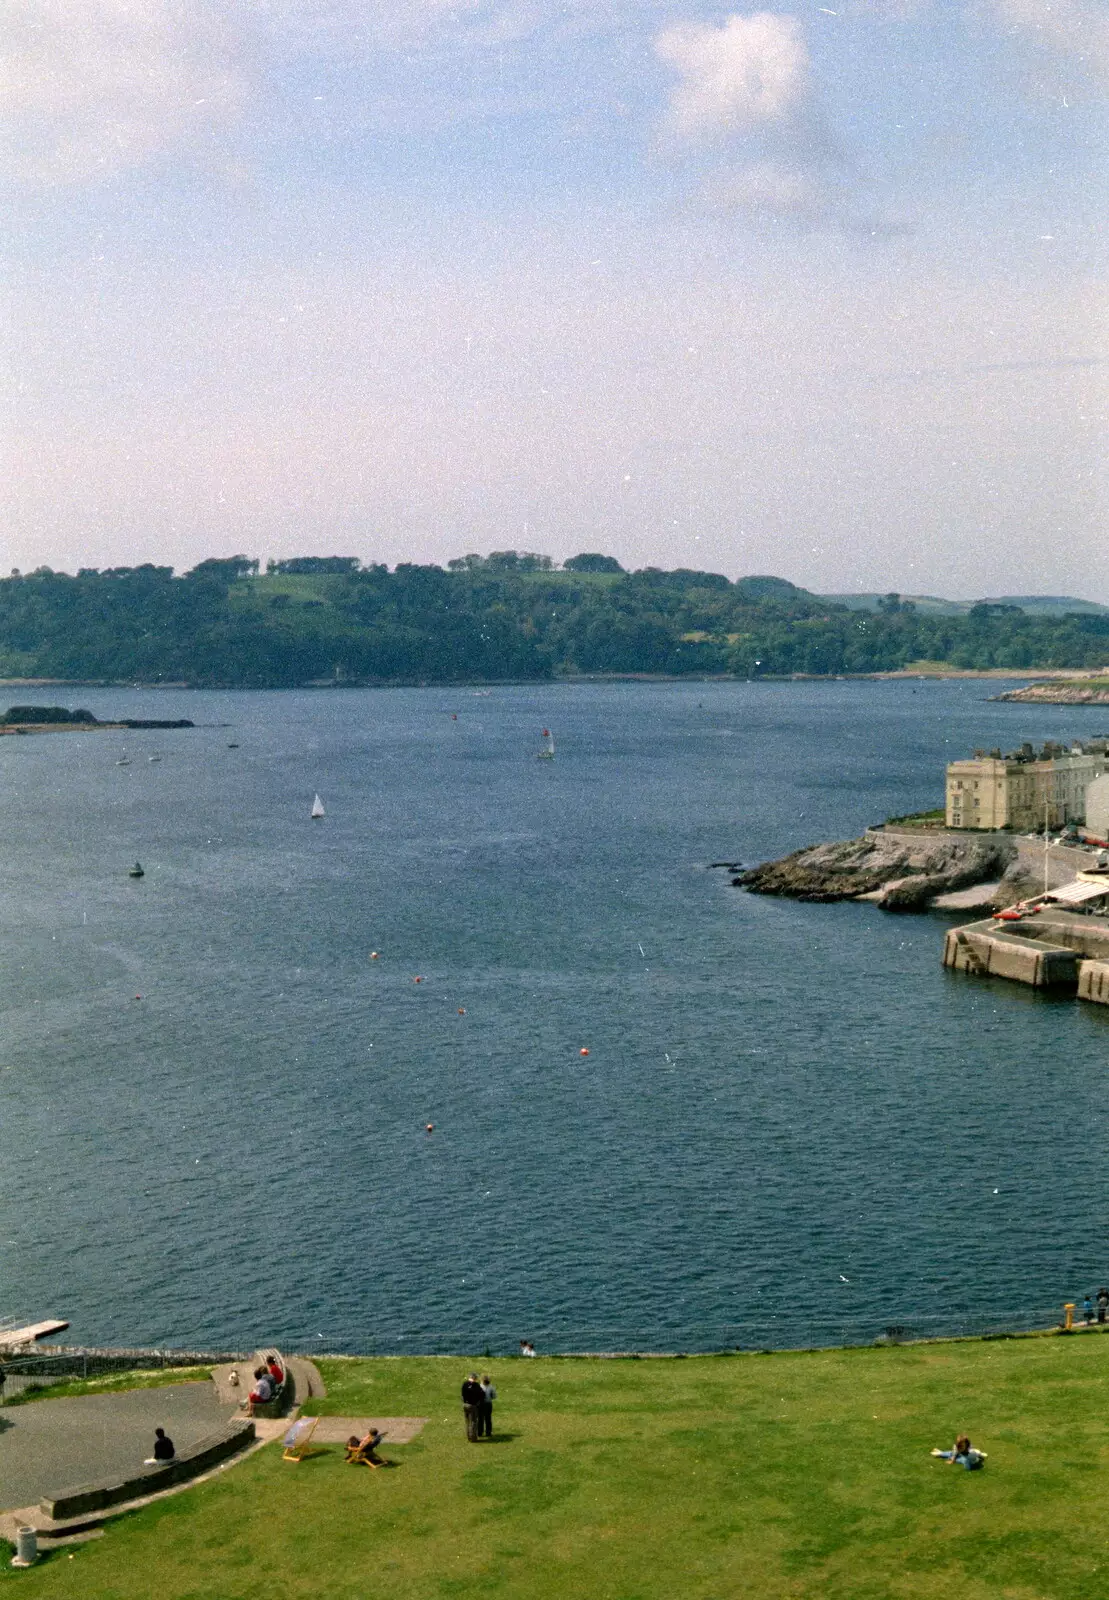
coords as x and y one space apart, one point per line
750 72
1071 28
773 187
89 86
808 195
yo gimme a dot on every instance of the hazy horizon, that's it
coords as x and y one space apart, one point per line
816 292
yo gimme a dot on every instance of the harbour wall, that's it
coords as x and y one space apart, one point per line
1062 951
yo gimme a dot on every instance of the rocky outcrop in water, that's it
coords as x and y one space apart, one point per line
1085 692
897 871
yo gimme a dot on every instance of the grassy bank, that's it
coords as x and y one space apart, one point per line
801 1475
110 1383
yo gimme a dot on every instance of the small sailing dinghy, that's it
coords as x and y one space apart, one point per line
317 808
547 753
136 871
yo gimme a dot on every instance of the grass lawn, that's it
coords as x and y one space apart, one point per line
781 1475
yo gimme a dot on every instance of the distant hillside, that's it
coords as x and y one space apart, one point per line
773 589
508 616
1051 605
877 602
1040 605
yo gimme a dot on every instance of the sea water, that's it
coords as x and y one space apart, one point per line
791 1126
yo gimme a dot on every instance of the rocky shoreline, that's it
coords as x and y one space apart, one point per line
1087 692
897 871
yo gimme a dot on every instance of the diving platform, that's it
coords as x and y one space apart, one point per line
16 1338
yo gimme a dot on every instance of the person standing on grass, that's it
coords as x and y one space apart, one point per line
485 1420
472 1398
1102 1304
1087 1311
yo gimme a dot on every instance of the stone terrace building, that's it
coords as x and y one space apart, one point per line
1022 790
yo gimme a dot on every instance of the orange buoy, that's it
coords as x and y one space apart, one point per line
454 716
138 997
583 1052
373 955
430 1128
462 1011
417 980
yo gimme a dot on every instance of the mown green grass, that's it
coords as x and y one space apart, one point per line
801 1475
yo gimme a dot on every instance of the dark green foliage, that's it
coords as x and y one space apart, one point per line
760 588
509 615
228 567
17 714
309 566
588 562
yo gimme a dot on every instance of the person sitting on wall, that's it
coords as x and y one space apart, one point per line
163 1450
273 1367
262 1393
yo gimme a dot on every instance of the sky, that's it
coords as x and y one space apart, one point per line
817 291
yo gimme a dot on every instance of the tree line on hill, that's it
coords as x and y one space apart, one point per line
509 615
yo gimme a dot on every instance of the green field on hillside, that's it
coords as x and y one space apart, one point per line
802 1475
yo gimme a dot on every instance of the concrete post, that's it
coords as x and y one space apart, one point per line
27 1548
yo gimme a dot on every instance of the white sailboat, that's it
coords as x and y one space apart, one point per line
317 808
547 753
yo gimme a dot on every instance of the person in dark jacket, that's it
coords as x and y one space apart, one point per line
472 1399
163 1450
485 1420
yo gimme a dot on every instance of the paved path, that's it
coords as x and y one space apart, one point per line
394 1430
50 1445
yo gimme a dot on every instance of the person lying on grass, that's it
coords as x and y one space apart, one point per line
963 1454
365 1450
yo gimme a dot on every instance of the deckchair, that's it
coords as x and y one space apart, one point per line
362 1456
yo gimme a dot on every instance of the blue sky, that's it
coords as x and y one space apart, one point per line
816 291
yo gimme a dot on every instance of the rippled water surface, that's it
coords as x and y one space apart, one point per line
791 1125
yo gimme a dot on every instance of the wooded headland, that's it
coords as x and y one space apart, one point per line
507 616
